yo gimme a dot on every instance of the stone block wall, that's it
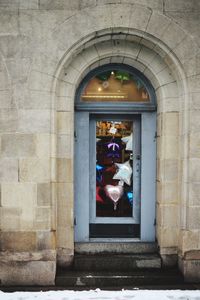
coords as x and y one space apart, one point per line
27 236
46 48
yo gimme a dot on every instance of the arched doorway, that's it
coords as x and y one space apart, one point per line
115 156
164 77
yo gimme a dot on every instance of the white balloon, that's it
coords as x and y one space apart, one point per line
124 172
129 142
114 192
112 129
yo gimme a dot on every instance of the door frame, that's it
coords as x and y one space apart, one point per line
148 177
83 111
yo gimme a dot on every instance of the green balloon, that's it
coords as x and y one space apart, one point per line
123 76
103 76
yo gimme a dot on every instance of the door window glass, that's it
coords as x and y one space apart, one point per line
114 163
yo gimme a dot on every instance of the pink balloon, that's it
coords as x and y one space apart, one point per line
114 192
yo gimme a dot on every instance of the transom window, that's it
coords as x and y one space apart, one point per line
113 84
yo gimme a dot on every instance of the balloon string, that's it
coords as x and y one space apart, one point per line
115 206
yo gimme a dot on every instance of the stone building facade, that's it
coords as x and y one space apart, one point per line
46 48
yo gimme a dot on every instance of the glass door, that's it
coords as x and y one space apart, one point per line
115 153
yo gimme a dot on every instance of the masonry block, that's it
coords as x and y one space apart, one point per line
22 196
64 170
8 170
34 170
8 120
43 194
65 146
18 241
34 121
10 218
18 145
32 273
190 269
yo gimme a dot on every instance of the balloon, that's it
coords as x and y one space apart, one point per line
99 168
111 169
98 197
123 76
105 84
129 142
108 174
114 192
124 172
113 149
113 145
99 174
99 178
113 155
112 130
130 197
103 76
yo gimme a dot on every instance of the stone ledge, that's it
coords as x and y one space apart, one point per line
46 255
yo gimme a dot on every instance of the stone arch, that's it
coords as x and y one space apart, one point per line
164 71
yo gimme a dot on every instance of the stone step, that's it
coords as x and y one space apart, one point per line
115 247
116 262
119 280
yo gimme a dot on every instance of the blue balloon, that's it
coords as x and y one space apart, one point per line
130 197
99 168
99 175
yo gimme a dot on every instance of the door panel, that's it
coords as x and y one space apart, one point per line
90 222
148 178
114 230
81 182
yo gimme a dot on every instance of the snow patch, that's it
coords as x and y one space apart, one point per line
103 295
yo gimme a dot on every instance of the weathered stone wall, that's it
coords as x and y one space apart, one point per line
46 47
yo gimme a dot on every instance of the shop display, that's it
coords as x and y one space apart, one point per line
114 183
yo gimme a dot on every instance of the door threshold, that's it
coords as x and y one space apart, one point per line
114 240
114 246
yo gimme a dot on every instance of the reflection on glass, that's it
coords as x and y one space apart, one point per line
114 184
115 86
